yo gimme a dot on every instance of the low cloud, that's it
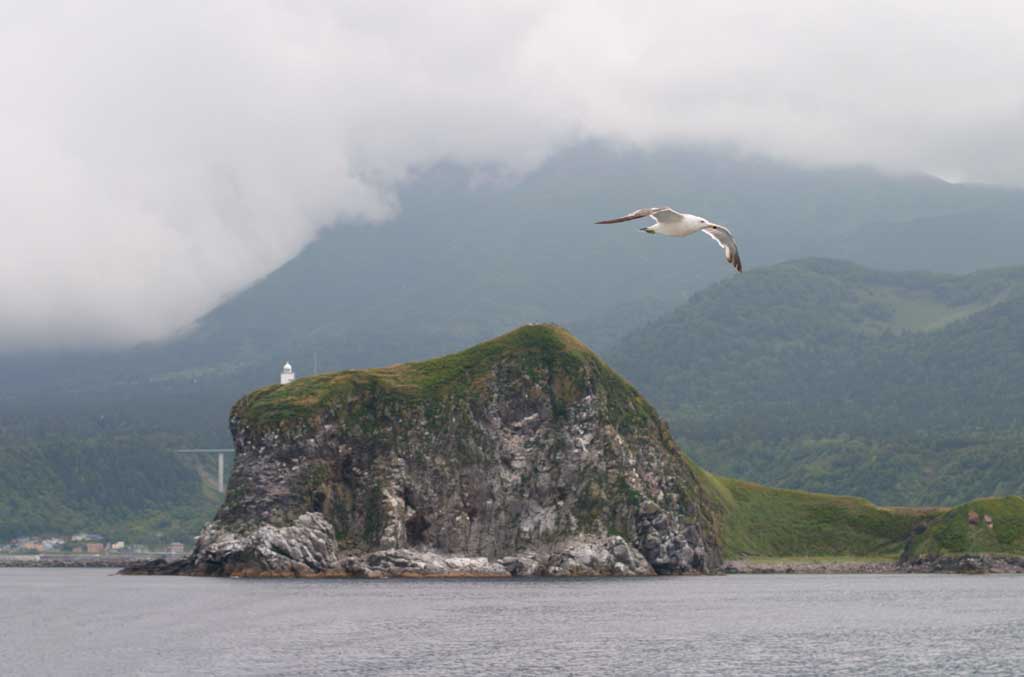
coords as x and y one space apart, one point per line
158 157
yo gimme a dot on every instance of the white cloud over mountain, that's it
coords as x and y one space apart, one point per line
156 157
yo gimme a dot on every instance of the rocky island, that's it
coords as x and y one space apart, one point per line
528 456
525 455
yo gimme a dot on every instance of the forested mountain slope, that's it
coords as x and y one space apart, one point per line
822 375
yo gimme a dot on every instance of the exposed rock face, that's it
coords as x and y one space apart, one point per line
525 455
307 546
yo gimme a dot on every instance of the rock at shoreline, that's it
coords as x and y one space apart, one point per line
525 455
796 566
81 562
965 564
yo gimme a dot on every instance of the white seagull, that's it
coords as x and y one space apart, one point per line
670 222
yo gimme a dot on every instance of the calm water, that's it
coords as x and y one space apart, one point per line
89 622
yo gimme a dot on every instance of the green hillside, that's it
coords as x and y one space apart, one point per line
57 488
764 522
959 532
98 472
821 375
124 485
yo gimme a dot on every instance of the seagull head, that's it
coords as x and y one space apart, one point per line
650 229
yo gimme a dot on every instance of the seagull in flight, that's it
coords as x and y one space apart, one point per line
670 222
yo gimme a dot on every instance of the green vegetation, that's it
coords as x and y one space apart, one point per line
965 529
763 522
57 485
540 344
903 388
543 351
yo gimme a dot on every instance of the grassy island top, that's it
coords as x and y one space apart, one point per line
535 346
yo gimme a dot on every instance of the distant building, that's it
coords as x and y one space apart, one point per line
287 374
119 545
95 548
178 548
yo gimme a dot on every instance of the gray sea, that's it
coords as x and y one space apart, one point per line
90 622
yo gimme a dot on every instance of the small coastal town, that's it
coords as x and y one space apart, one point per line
81 548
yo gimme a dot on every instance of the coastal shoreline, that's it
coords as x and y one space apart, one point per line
968 565
811 566
964 564
73 561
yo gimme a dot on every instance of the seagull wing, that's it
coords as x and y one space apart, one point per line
723 236
667 215
638 214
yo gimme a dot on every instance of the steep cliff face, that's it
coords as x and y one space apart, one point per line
524 455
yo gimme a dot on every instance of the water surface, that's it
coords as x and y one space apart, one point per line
90 622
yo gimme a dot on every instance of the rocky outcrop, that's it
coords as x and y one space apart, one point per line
964 564
304 547
525 455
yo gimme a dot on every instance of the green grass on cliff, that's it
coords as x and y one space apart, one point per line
534 347
954 534
764 522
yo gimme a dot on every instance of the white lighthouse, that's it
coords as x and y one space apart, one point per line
287 374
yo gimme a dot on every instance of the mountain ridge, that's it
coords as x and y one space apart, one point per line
831 377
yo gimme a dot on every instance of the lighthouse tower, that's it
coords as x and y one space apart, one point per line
287 374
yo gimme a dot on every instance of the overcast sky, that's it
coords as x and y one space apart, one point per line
156 157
